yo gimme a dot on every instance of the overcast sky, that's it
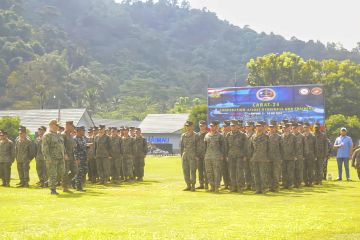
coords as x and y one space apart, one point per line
324 20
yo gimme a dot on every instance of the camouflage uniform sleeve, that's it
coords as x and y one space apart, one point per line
181 145
45 147
76 149
222 145
12 150
145 146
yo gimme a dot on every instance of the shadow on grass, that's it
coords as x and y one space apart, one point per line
294 192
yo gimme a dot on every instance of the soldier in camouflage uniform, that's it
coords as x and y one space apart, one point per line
204 184
91 155
225 168
7 157
40 161
188 151
103 155
259 144
299 156
275 157
309 155
70 164
127 151
24 154
288 151
325 163
355 160
235 146
80 153
116 161
321 147
249 128
140 154
54 153
214 155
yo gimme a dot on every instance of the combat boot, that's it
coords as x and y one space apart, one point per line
7 184
216 190
73 183
140 179
206 186
188 188
193 187
26 185
54 192
201 186
80 189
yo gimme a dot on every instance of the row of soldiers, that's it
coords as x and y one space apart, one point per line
65 156
254 156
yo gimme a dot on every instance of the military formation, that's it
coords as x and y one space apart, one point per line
256 157
66 155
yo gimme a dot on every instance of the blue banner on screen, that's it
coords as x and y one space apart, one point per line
299 102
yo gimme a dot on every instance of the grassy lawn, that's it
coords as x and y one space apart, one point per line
158 209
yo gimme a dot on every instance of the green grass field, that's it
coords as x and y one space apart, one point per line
158 209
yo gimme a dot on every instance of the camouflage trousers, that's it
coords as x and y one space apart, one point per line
23 170
299 172
248 176
213 171
259 171
324 168
41 170
103 168
274 175
128 165
189 168
288 173
80 176
225 173
139 164
55 170
5 171
318 169
309 170
202 171
70 171
92 171
116 165
237 172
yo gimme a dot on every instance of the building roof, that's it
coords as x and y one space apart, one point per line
115 122
33 119
163 123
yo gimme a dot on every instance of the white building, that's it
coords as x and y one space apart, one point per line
164 130
33 119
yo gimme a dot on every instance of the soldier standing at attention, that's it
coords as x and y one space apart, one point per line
288 151
39 158
23 154
309 155
235 145
54 153
259 143
249 128
321 147
204 184
299 156
188 151
116 155
275 144
127 150
7 157
70 164
91 156
103 155
140 154
214 155
80 153
225 168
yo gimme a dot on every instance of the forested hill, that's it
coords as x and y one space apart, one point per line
100 54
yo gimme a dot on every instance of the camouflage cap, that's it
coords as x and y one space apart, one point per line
226 123
80 128
202 122
43 128
188 123
54 122
214 123
250 123
234 123
22 129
